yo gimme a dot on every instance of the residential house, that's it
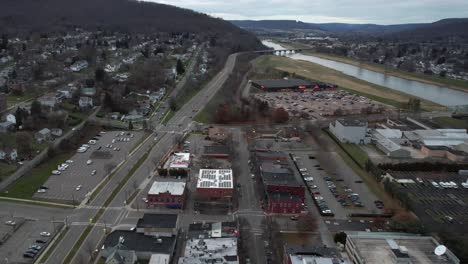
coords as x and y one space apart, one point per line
43 135
8 154
11 118
48 100
6 126
79 65
85 102
66 91
56 132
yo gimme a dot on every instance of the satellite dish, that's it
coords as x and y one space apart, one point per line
440 250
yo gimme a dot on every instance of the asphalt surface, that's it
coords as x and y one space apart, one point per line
45 219
112 215
63 186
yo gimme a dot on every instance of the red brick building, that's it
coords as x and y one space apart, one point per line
283 203
170 194
215 184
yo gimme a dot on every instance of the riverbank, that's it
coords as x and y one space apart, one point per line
315 72
458 85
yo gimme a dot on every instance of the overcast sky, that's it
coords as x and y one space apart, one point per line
322 11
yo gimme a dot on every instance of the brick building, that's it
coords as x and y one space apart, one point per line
283 203
170 194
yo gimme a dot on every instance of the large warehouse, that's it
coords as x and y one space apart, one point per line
277 85
282 84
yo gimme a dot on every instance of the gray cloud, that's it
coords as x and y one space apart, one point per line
348 11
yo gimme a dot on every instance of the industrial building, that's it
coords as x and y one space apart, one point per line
215 183
282 85
385 142
170 194
391 248
350 131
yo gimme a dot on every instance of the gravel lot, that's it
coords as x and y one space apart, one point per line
63 187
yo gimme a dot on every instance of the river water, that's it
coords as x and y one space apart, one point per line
438 94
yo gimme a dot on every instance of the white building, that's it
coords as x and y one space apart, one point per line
350 131
215 179
179 161
391 248
170 187
389 147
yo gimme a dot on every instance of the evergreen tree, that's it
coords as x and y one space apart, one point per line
180 67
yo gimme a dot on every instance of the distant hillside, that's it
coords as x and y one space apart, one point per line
442 28
274 24
26 16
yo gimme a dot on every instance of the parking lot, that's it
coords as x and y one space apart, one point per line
86 169
319 104
436 206
346 184
30 221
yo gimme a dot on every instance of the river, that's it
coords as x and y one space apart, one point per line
438 94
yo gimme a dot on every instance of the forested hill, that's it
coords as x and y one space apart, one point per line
27 16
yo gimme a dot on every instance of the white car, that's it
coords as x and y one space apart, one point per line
93 172
85 146
45 234
69 161
92 142
10 222
303 170
56 172
308 179
78 187
82 150
145 199
113 141
89 162
41 190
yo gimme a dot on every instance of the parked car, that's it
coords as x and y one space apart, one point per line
10 222
28 255
56 172
78 187
45 234
93 172
89 162
41 241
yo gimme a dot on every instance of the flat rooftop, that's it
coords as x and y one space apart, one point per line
383 247
180 161
172 187
352 122
158 221
215 179
282 83
212 250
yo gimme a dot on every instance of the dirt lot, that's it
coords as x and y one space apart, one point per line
319 104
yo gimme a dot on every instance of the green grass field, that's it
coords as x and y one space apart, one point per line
6 170
26 186
448 122
168 117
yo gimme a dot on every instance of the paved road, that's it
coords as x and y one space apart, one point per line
179 122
